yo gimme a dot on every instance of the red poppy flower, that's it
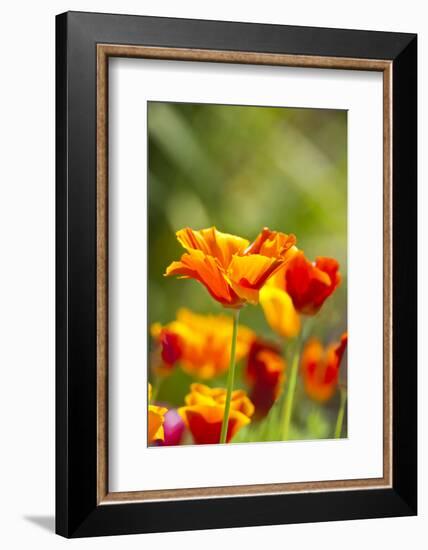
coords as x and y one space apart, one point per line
204 411
310 284
265 374
167 352
171 348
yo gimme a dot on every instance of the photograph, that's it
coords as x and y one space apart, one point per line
247 274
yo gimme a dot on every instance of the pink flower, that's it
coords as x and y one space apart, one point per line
173 428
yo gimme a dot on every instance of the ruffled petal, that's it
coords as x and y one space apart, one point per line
205 269
212 242
247 274
232 270
272 244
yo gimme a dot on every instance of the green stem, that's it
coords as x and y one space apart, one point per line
155 388
341 414
291 390
230 378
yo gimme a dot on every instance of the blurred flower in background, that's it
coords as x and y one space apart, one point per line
173 428
265 374
201 343
320 368
156 418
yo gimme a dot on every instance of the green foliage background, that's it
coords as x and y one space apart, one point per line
241 168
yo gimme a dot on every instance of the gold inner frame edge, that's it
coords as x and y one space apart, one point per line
104 51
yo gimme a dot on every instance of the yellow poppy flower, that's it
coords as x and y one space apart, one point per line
279 311
156 418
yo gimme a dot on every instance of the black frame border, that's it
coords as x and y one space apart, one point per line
77 512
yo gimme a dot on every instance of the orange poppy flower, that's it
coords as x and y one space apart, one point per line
231 269
156 418
204 411
320 368
308 284
265 374
201 343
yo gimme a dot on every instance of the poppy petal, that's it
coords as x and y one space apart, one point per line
308 284
279 311
271 243
212 243
155 423
196 265
248 274
204 422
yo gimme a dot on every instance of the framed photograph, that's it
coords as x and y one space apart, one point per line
236 274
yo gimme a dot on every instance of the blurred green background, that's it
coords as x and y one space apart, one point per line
241 168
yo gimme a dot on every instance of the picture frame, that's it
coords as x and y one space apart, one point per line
84 44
